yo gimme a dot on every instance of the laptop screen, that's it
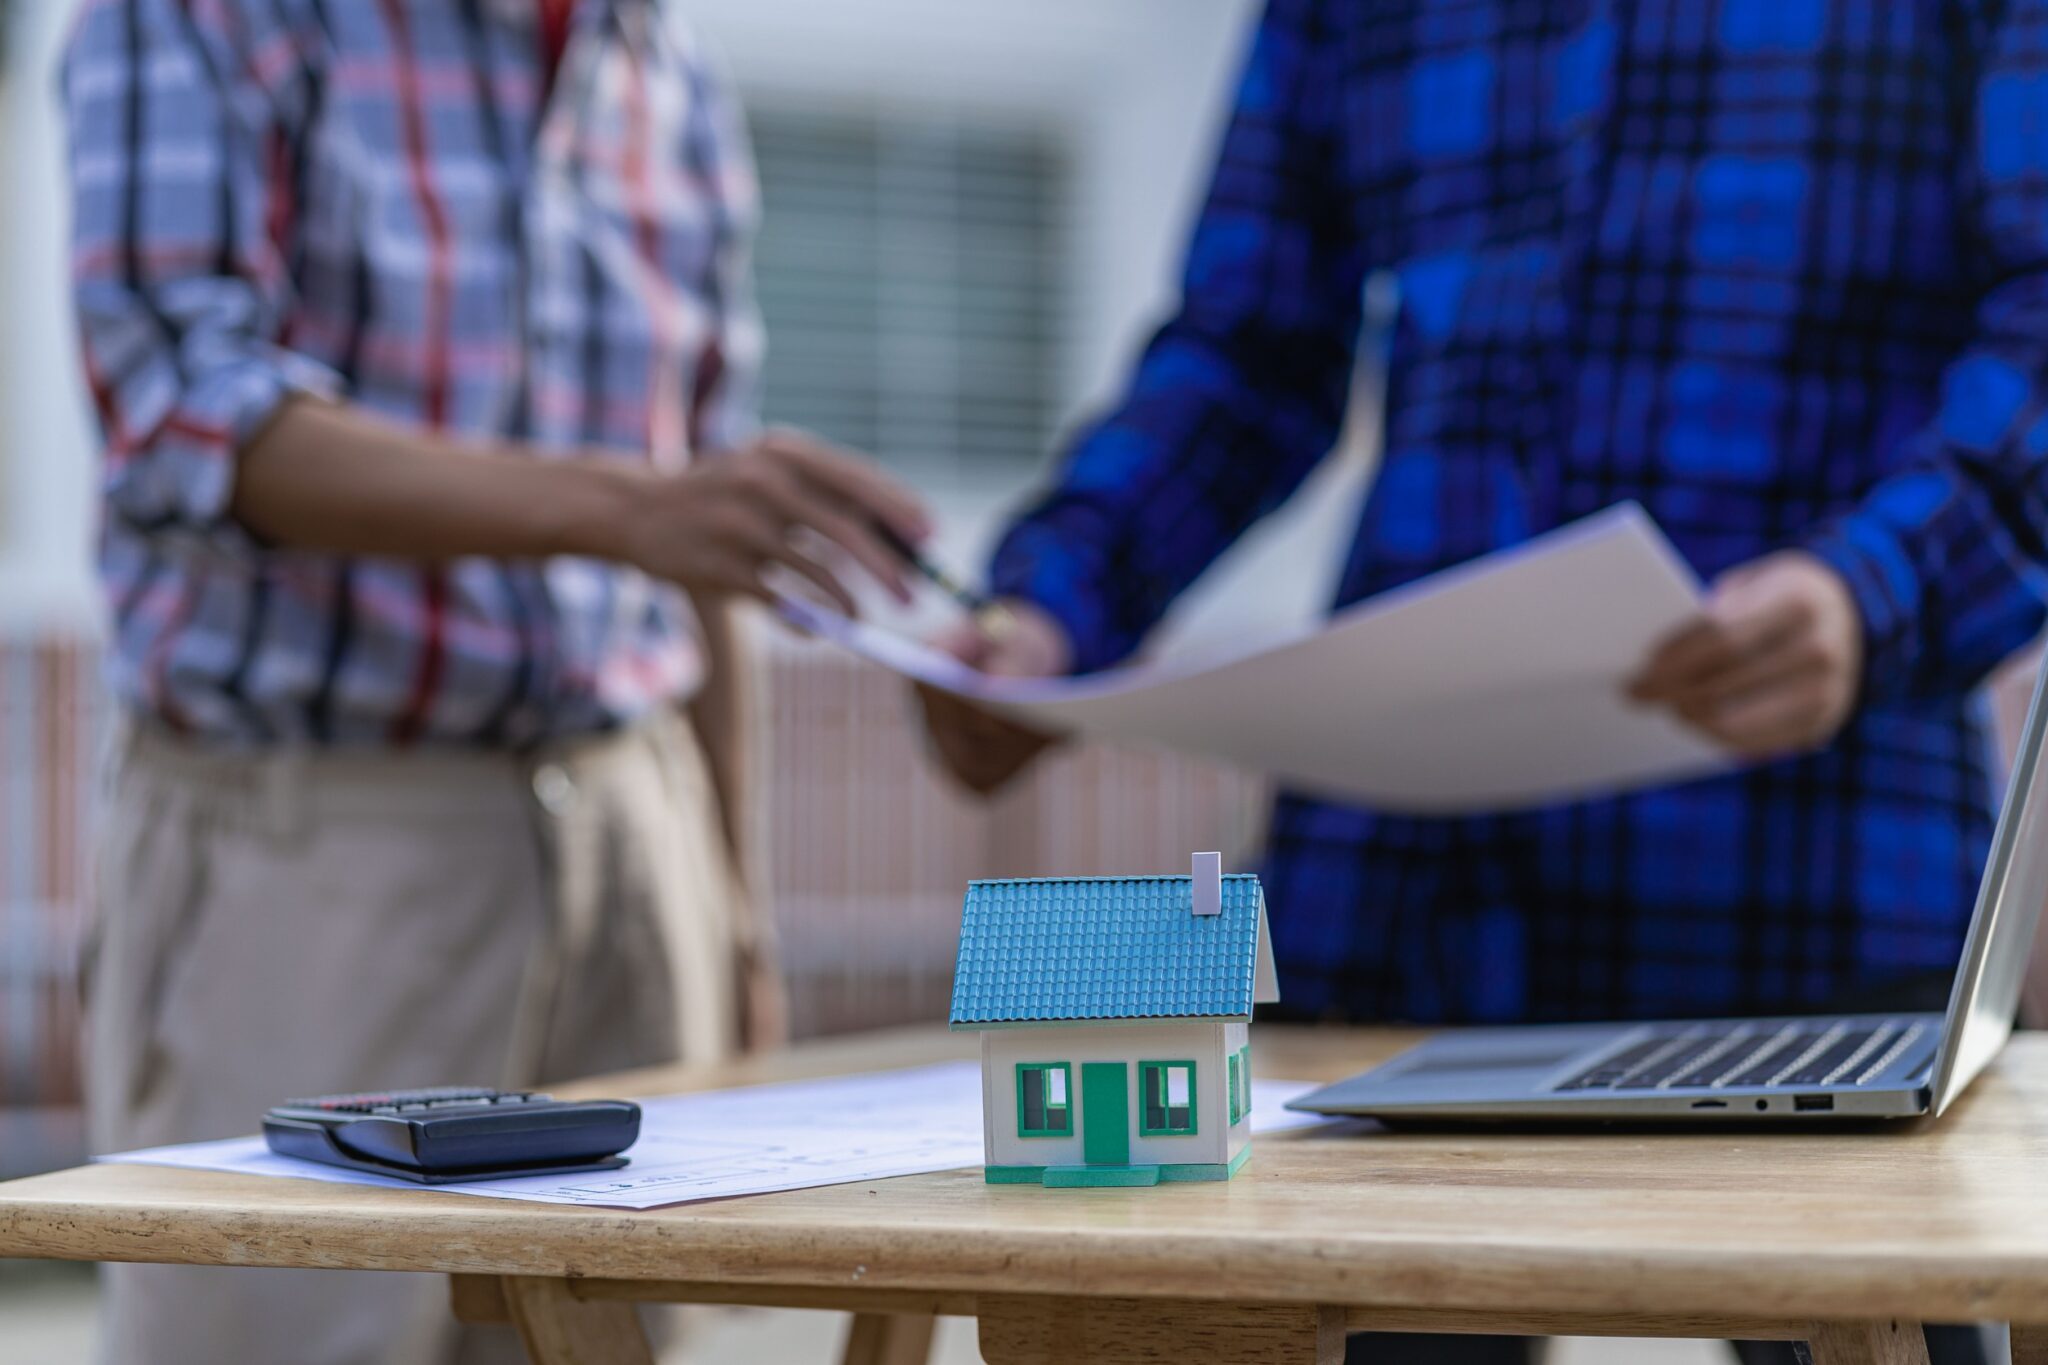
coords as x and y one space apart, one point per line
2001 938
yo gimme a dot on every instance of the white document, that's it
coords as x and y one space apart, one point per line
1494 685
725 1143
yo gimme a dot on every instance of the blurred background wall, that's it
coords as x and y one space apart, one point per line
973 213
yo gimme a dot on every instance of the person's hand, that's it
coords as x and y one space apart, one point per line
1773 665
724 522
982 750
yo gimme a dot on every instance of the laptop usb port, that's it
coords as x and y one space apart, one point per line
1813 1104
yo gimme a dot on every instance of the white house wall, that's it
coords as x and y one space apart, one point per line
1235 1036
1200 1042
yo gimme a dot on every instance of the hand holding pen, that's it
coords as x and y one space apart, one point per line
988 616
733 523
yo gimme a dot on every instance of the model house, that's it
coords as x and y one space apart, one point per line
1115 1015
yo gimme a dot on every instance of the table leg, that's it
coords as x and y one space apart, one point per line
889 1339
2029 1344
1056 1331
561 1329
1868 1343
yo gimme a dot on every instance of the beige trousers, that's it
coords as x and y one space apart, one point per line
300 923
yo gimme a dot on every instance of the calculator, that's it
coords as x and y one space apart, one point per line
445 1134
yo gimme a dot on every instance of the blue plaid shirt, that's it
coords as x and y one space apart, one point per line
1776 268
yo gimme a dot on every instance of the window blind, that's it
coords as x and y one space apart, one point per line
910 276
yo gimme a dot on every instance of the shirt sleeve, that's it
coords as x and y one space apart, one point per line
1238 396
1946 556
726 395
178 276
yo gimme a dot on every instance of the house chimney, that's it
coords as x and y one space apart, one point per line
1208 883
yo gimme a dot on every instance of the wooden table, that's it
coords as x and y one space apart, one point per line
1846 1239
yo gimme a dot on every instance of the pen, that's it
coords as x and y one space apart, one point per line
986 613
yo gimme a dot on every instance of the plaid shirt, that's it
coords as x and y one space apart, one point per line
1776 268
389 202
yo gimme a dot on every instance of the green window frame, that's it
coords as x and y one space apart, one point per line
1236 1100
1158 1113
1244 1078
1045 1093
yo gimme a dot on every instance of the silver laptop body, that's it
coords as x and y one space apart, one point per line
1794 1069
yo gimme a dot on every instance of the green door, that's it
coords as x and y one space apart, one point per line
1106 1113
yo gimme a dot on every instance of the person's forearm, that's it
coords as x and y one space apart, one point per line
321 476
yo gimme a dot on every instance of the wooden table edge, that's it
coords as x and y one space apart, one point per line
1307 1290
1387 1274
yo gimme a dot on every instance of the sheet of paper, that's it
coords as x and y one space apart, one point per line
725 1143
1491 686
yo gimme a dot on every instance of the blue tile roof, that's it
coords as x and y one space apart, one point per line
1064 949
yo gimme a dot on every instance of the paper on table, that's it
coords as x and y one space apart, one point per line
1493 685
724 1143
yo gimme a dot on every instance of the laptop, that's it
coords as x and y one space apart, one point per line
1753 1070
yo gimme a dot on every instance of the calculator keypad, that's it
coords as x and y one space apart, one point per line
416 1101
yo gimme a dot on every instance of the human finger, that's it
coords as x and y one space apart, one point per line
758 537
800 503
853 479
1788 659
965 641
732 571
1692 650
857 537
1767 723
1734 632
815 572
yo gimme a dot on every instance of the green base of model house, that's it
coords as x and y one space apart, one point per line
1107 1177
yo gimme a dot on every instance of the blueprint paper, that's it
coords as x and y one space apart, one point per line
725 1143
1491 686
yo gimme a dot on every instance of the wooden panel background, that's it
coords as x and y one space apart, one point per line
51 720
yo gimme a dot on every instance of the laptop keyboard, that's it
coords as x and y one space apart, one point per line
1716 1056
